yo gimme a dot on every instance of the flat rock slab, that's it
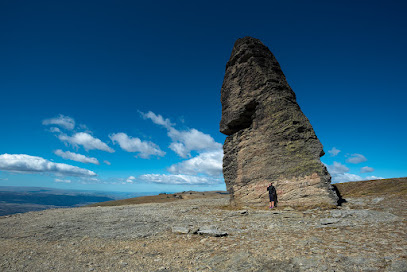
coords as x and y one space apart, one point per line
180 230
212 231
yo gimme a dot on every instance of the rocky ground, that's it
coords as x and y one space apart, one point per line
365 234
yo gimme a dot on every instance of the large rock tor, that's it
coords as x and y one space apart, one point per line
269 138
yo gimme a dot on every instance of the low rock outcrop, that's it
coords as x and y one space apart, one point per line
269 138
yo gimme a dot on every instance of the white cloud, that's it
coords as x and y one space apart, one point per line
107 162
63 180
130 179
186 141
33 164
339 173
62 121
157 119
356 158
75 157
345 177
86 140
209 163
145 149
55 130
337 168
183 142
179 179
84 127
334 151
366 169
373 178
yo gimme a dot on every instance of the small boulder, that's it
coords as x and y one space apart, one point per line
328 221
211 231
180 230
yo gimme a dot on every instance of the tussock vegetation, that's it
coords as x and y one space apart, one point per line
393 186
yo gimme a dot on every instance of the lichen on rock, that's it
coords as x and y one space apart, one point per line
269 137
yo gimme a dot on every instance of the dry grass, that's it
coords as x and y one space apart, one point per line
394 186
161 198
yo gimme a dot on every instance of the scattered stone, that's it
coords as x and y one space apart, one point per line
328 221
361 240
180 230
269 137
336 213
211 231
377 200
123 263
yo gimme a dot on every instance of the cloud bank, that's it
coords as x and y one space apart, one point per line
143 148
75 157
366 169
339 173
191 140
334 151
356 158
107 162
183 142
62 121
63 180
209 163
86 140
157 119
32 164
179 179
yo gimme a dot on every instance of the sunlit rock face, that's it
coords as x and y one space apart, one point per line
269 138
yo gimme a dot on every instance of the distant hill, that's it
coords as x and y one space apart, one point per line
161 198
396 186
15 199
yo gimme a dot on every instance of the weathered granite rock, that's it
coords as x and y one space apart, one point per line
269 138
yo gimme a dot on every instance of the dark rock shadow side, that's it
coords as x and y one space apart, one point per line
341 200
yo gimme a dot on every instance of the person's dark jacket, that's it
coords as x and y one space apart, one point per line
272 190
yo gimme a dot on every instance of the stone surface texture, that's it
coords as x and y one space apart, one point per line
269 137
359 236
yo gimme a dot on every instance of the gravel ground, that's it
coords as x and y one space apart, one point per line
365 234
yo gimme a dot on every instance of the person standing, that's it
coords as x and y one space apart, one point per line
272 195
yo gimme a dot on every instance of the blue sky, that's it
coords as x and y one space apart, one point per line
125 95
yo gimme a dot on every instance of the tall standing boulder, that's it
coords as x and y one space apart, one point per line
269 138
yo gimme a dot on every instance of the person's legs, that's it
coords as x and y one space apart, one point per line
272 204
